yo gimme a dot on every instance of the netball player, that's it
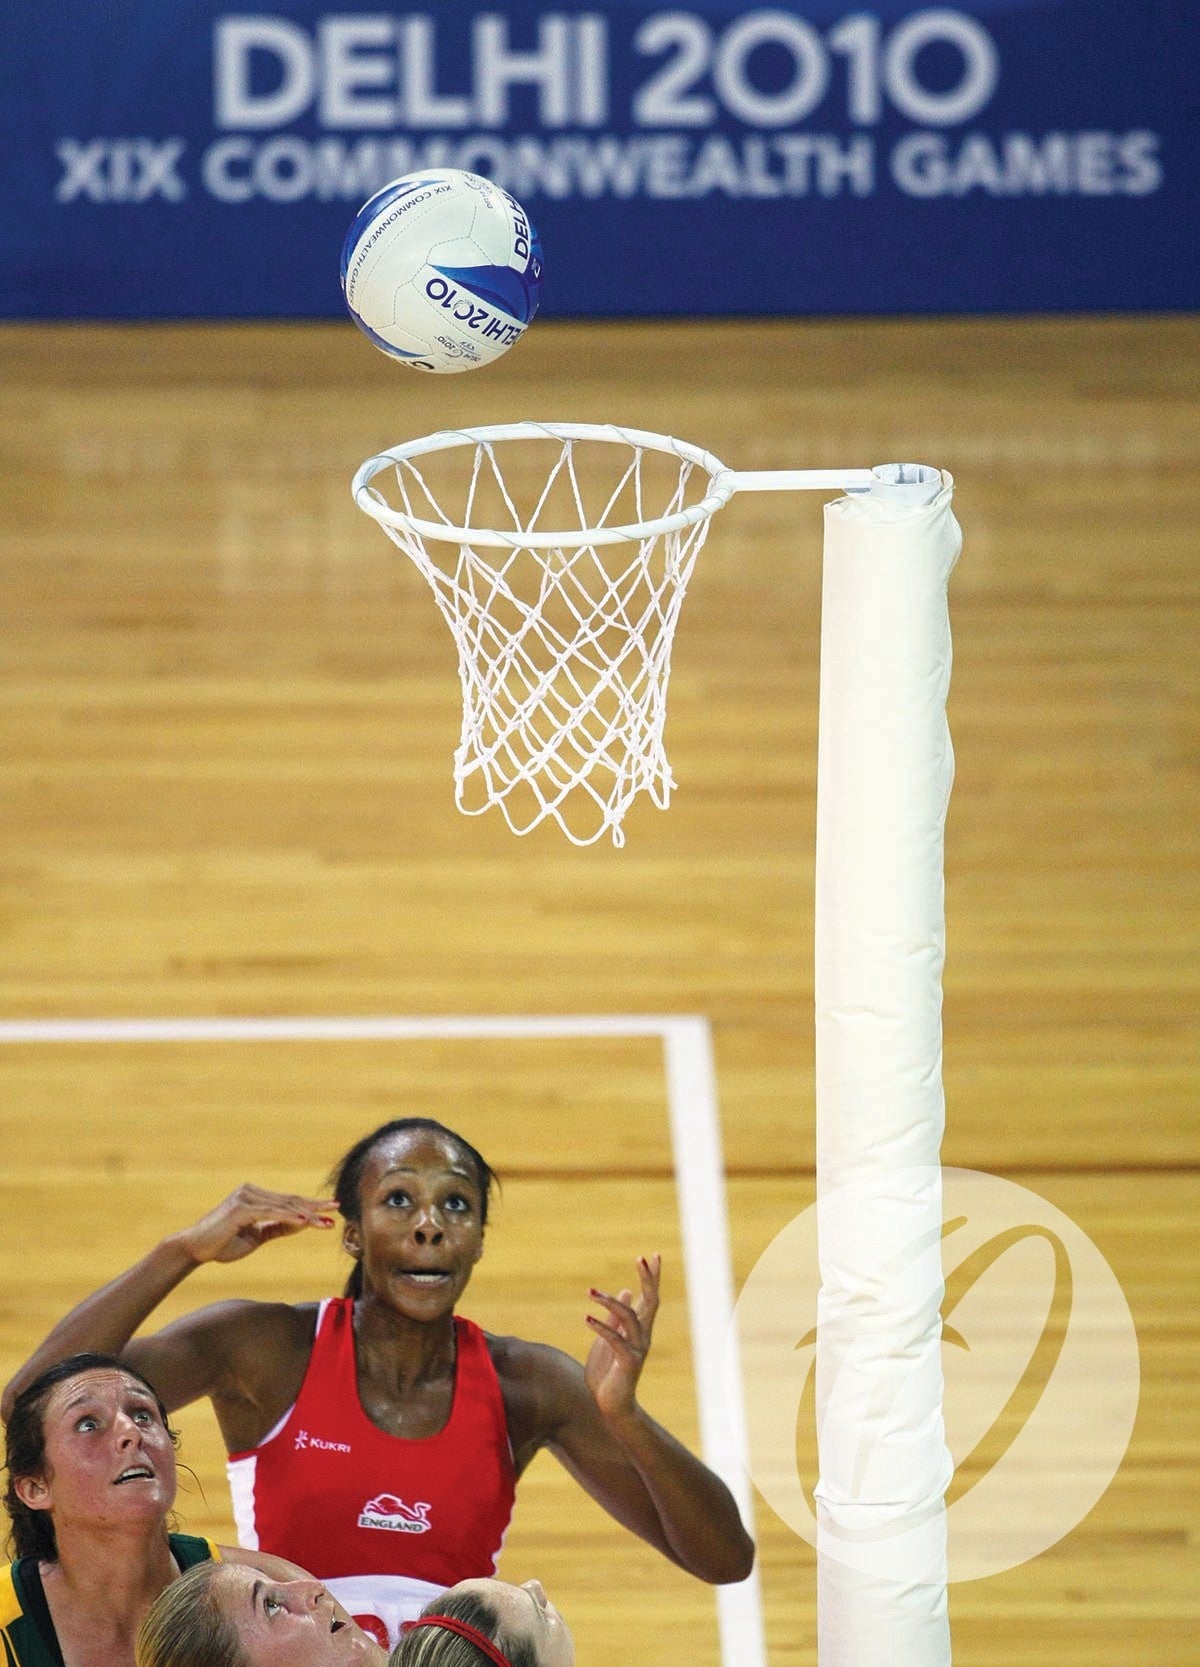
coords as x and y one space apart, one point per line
225 1617
91 1482
376 1439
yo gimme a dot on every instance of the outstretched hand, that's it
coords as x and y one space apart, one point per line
622 1342
250 1217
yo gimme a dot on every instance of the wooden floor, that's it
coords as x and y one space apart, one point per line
229 710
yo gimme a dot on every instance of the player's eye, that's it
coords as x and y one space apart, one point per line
399 1198
457 1203
87 1422
271 1606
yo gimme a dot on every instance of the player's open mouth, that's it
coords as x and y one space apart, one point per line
335 1625
425 1276
135 1473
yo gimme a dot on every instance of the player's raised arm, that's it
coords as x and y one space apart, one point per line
185 1361
637 1470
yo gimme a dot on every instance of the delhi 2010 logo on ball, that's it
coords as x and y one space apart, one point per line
442 270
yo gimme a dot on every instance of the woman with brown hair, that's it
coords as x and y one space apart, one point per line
91 1484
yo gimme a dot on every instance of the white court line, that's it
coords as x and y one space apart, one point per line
304 1029
696 1142
708 1263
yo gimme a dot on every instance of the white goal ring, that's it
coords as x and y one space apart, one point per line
907 484
722 485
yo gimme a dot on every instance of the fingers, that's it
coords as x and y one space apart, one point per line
650 1273
622 1340
620 1307
259 1203
617 1341
252 1216
624 1322
642 1313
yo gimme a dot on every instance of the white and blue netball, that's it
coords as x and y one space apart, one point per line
442 270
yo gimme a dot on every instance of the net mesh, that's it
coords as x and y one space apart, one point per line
560 565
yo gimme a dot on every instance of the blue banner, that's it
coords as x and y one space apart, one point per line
178 158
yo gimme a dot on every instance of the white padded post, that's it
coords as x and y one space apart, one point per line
884 773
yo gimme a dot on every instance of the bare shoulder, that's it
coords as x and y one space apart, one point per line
266 1339
249 1357
541 1387
240 1322
292 1320
519 1360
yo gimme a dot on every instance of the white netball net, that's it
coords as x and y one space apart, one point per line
559 556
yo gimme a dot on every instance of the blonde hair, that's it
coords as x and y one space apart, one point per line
185 1627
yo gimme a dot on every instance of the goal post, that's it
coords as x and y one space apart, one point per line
884 773
561 579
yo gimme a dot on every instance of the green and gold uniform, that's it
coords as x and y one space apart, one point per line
26 1630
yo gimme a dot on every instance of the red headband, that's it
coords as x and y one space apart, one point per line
465 1630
